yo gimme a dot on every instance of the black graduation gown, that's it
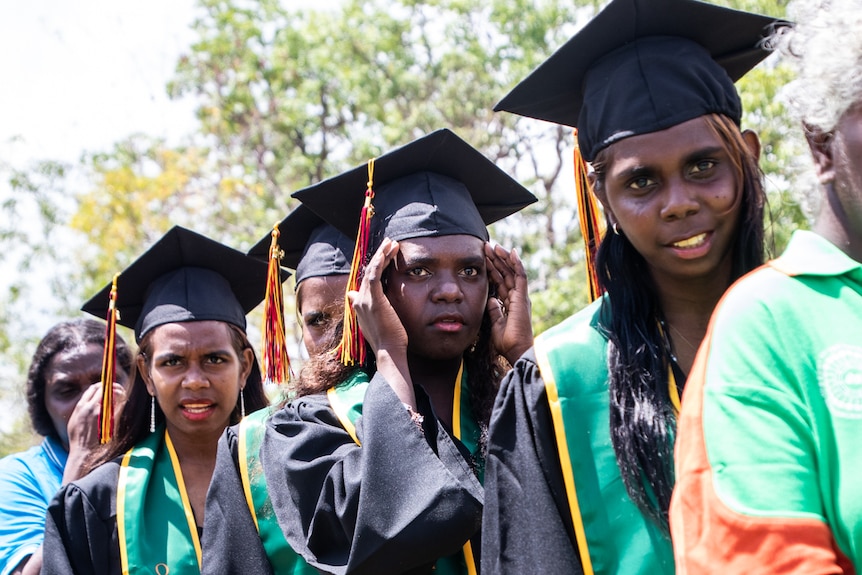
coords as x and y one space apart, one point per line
527 527
81 526
394 505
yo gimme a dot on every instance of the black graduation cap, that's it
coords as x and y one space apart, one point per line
185 277
641 66
311 246
436 185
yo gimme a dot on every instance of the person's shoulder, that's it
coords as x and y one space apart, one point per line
28 463
98 486
760 289
312 406
582 328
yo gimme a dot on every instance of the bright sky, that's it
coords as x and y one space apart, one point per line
82 75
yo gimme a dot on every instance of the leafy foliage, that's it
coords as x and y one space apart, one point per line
287 97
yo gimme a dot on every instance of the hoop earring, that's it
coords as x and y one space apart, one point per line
241 405
615 227
152 414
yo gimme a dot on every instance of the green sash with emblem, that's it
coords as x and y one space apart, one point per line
612 534
283 559
155 523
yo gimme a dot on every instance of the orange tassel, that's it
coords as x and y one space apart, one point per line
109 362
276 361
351 350
592 228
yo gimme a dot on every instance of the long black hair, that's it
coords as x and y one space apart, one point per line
642 418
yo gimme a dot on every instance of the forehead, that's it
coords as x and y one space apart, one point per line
191 335
83 357
321 291
460 246
672 144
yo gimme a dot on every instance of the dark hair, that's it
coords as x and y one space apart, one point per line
133 425
63 336
642 419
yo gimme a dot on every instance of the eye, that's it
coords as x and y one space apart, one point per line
470 271
170 361
418 272
66 391
215 359
316 319
702 166
641 183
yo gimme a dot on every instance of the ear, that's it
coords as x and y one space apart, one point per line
246 361
820 144
752 142
145 374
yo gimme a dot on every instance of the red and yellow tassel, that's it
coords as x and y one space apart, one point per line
592 228
351 350
109 366
276 361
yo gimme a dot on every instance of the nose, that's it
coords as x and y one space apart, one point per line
447 289
680 202
194 377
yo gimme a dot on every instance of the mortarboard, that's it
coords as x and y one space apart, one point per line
183 277
437 185
311 246
641 66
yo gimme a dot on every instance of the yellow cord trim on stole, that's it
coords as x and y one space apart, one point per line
456 403
456 431
187 506
243 472
341 413
563 451
673 391
121 512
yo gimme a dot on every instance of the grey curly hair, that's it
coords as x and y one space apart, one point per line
825 46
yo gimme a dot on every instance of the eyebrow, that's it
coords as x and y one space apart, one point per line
422 260
647 170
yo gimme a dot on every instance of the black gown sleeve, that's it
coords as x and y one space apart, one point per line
394 505
81 526
526 527
231 543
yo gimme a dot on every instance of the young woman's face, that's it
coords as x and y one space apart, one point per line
439 289
68 375
676 196
321 305
196 375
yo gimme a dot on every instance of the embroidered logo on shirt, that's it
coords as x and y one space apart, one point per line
839 371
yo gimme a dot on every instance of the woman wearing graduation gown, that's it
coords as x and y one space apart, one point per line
378 470
580 459
141 510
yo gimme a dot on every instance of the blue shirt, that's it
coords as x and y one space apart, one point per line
28 482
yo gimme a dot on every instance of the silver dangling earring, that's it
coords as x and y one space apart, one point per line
241 405
152 414
615 228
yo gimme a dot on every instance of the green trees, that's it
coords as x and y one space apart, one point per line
287 97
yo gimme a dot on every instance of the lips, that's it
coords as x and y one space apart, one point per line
197 410
448 322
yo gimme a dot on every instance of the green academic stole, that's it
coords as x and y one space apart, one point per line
612 534
346 400
155 523
283 559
